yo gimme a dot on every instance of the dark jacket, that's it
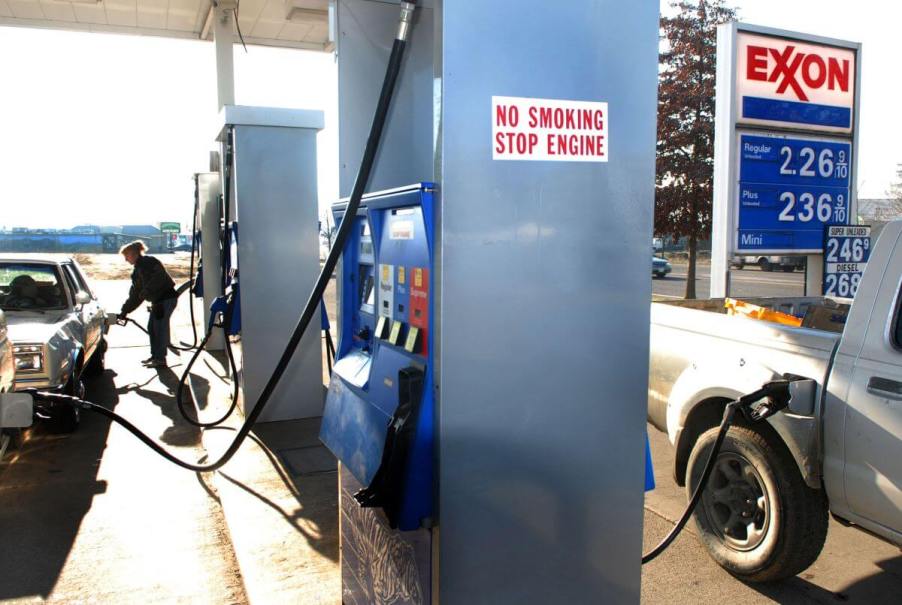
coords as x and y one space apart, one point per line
150 282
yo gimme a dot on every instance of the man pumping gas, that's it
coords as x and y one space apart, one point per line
151 283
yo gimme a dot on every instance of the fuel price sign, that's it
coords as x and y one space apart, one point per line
846 252
789 190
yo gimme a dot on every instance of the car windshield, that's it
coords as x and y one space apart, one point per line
30 287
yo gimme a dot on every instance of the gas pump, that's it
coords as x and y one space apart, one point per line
379 409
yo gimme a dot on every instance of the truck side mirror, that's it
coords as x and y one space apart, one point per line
16 410
82 298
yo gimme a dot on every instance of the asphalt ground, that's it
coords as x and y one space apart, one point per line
750 281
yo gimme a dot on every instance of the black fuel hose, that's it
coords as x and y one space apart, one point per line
190 281
183 409
728 415
777 394
313 301
225 247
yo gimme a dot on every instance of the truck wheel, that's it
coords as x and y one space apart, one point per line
788 268
757 518
97 363
765 265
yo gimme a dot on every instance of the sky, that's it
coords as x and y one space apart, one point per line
108 129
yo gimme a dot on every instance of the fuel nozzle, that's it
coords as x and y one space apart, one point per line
773 397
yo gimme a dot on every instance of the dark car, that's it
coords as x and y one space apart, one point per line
660 267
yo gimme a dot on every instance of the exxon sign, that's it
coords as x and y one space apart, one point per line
782 82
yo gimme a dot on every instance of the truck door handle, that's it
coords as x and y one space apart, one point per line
884 387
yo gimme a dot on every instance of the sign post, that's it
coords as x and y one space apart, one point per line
785 146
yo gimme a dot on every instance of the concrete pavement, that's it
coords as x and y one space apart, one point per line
96 517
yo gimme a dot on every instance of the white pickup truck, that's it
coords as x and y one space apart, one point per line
838 448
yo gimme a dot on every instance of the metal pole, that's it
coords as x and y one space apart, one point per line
723 221
208 186
223 26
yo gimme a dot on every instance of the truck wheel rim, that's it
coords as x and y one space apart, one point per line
736 503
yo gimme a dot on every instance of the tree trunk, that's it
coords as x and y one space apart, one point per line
690 273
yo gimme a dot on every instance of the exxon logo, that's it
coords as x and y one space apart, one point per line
790 69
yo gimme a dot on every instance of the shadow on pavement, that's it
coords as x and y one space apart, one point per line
875 588
180 433
45 494
315 515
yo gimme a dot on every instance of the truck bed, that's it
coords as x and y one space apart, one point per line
698 334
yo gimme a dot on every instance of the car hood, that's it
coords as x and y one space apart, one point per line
659 262
25 326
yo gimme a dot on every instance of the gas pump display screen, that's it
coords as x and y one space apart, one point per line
367 287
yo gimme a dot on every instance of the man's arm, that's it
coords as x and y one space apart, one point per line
131 303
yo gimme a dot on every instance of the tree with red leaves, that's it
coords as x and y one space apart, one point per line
685 152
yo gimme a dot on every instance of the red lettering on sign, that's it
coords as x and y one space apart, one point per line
818 80
838 75
519 142
507 116
576 144
756 64
787 67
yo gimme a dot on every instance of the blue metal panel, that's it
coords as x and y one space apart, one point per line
366 29
796 112
544 314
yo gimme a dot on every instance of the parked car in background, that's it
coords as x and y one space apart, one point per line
660 267
56 327
769 263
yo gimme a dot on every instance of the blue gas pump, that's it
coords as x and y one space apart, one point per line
378 417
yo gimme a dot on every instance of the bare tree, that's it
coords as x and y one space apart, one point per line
685 150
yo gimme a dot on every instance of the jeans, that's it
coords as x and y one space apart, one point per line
158 327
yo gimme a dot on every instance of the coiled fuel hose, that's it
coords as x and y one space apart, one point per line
313 301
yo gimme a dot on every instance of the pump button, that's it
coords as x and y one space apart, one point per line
394 337
410 344
380 326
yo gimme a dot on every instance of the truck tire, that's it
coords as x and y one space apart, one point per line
788 268
757 518
765 264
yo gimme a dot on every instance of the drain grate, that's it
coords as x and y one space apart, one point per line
310 460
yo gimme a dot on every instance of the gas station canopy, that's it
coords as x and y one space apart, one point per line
289 23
